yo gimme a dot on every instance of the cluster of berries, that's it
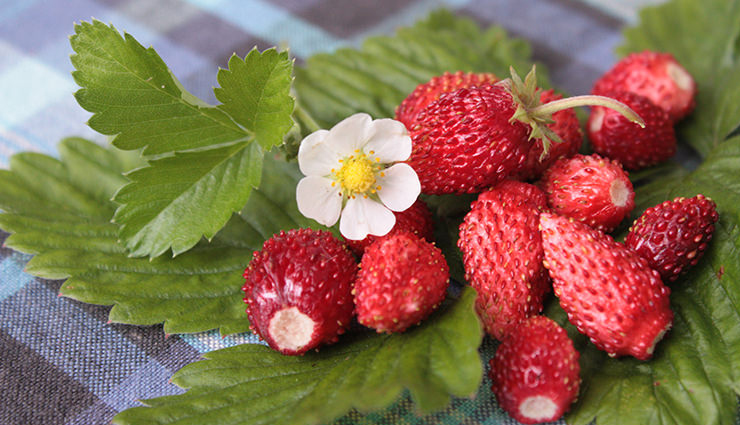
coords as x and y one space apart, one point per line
305 287
660 90
472 134
541 222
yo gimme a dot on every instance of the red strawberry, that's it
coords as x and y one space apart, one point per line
298 290
590 189
672 236
656 76
473 138
566 126
609 292
426 93
502 255
417 219
464 142
402 279
535 373
614 136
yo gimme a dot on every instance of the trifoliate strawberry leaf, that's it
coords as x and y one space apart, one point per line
178 199
377 77
134 97
252 384
703 38
60 210
694 377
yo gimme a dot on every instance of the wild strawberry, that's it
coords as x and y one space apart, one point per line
473 138
673 236
656 76
417 219
402 279
614 136
426 93
502 255
298 290
566 126
535 372
464 142
590 189
609 292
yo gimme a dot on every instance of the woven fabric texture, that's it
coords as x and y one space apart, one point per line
61 362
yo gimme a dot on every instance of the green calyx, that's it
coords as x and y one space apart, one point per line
531 111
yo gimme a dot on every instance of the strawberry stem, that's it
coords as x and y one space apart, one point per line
305 119
550 108
531 111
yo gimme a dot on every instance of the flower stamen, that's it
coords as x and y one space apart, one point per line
357 174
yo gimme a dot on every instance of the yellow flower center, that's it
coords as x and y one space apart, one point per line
357 174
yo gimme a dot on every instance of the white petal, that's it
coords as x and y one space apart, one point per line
317 199
315 156
399 187
363 216
350 134
390 141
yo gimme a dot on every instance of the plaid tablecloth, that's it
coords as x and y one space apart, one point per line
60 361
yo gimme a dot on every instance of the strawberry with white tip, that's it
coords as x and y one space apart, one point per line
656 76
634 146
535 373
298 290
591 189
609 292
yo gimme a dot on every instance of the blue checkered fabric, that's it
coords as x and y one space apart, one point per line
61 362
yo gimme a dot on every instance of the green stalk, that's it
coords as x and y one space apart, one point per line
305 119
550 108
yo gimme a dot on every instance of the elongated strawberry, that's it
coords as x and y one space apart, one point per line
502 255
298 290
613 136
567 127
591 189
654 75
473 138
535 373
402 279
609 292
417 219
428 92
673 235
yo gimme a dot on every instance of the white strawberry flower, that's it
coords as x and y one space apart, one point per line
351 172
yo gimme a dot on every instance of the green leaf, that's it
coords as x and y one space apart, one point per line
176 200
689 30
251 384
134 97
181 197
60 210
694 377
255 93
376 78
